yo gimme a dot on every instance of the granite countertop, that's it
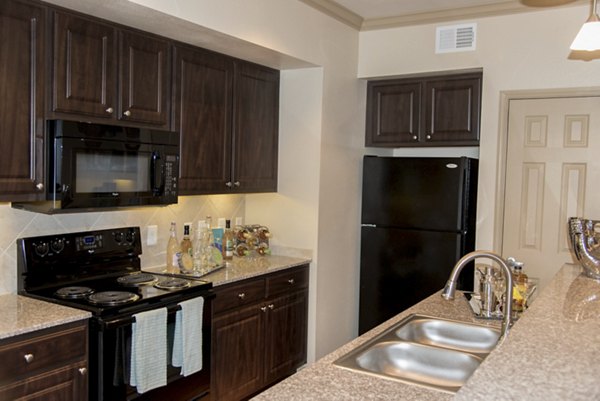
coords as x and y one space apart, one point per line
247 267
22 315
552 353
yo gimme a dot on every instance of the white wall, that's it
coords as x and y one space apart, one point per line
517 52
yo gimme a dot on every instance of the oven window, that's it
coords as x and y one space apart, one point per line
110 172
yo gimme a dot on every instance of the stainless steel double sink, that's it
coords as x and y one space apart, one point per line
423 350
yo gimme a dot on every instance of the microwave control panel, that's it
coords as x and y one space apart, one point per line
171 170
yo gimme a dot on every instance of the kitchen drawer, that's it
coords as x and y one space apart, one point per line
288 280
42 352
236 295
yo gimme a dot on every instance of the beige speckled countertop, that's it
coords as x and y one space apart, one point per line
552 353
22 315
243 268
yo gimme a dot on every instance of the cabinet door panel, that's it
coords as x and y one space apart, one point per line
202 115
21 90
256 128
84 66
452 110
393 113
64 384
286 329
144 73
238 342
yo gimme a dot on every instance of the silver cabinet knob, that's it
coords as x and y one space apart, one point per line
415 137
264 309
110 110
291 281
82 371
28 358
39 186
428 136
236 184
228 184
242 295
271 306
127 113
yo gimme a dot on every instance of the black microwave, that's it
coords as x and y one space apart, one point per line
96 166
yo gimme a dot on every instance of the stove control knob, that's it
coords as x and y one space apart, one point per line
57 245
118 237
41 249
130 237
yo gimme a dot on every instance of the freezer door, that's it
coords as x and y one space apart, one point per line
423 193
402 267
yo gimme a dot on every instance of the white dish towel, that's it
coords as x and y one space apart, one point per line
149 350
187 341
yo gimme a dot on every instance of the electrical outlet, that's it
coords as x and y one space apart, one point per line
152 237
239 221
221 222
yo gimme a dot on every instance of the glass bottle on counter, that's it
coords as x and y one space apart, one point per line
198 246
228 241
519 288
186 242
173 250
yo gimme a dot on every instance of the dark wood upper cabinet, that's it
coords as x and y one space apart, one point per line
85 66
101 72
202 104
22 29
255 137
144 79
393 113
227 114
452 109
441 110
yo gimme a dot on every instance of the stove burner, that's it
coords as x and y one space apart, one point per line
137 279
112 298
74 292
172 283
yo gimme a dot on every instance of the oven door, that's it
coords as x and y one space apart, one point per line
109 361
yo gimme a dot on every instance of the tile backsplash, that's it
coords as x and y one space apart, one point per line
17 224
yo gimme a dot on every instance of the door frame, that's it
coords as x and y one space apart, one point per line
502 145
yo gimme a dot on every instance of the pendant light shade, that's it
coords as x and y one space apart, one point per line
588 38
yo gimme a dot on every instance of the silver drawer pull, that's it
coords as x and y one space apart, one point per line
28 358
291 281
82 371
242 295
110 110
264 309
271 306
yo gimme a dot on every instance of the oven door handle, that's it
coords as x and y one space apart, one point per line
129 319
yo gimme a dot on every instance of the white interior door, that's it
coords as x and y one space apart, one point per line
552 173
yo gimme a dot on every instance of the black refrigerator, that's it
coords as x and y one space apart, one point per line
418 219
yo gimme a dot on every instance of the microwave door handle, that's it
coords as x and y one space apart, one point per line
157 172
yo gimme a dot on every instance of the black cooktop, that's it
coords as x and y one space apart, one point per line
98 271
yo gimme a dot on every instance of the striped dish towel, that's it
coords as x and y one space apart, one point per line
149 350
187 342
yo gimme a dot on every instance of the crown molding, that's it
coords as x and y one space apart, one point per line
336 11
348 17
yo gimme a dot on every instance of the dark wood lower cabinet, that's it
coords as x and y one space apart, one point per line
260 341
49 364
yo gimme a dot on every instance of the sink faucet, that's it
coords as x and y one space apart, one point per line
450 288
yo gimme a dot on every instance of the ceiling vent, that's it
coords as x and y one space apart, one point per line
455 38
